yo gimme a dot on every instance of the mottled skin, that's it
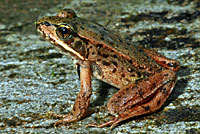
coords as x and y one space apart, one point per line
145 78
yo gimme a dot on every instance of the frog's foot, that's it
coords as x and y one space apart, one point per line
65 119
69 118
103 124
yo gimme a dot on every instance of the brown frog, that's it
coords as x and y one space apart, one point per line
145 78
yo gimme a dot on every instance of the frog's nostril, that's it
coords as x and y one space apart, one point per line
37 25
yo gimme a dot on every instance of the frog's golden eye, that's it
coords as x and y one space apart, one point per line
64 32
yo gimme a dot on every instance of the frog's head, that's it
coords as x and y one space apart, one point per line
60 31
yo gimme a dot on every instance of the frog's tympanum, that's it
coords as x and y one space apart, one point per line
145 78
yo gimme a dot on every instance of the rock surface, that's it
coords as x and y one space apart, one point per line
36 80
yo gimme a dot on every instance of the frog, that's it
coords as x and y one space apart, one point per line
144 77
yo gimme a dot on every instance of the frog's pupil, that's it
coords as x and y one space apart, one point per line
64 30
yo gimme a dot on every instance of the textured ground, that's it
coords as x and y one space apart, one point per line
35 79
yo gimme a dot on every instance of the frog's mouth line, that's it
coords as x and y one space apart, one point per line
62 44
49 35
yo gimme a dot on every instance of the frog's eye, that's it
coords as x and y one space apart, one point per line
64 32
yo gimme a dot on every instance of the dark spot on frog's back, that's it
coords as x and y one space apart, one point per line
105 63
114 70
141 67
132 75
98 59
130 61
115 63
139 75
114 56
99 46
105 55
165 74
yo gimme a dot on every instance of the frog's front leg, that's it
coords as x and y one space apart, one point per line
80 108
137 99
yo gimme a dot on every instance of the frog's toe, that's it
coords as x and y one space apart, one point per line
111 122
59 123
55 115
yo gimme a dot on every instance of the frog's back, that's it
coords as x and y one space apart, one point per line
115 61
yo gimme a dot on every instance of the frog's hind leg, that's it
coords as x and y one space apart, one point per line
143 98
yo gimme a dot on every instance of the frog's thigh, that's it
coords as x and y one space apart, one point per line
145 97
